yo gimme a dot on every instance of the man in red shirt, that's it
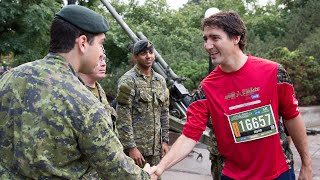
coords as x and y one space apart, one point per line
244 96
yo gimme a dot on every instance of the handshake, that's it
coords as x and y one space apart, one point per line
153 171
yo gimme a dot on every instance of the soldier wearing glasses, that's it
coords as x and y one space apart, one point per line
91 82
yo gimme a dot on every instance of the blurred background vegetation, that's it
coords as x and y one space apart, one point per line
287 31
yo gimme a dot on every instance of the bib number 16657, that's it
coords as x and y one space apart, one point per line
253 124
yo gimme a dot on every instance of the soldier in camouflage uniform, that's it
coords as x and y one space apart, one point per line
52 126
91 82
143 114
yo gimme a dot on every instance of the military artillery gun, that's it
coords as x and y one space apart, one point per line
179 95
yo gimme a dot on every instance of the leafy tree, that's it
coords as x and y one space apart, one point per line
193 71
304 72
311 44
301 21
24 28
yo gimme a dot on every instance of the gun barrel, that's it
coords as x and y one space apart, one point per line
119 19
161 66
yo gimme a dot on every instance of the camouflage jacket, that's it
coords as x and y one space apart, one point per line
143 111
102 97
53 127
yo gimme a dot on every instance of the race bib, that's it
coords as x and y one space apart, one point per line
253 124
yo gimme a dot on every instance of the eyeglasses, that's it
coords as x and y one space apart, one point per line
103 59
104 56
102 47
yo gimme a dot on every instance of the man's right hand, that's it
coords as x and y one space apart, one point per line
135 154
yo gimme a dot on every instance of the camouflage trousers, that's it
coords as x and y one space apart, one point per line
153 161
216 159
216 166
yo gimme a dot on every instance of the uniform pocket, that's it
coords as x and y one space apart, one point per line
160 97
144 98
145 95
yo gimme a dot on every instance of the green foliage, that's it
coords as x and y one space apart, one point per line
24 28
24 34
301 21
311 44
304 72
265 20
193 71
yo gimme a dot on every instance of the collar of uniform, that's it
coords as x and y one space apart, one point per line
96 85
139 73
100 88
61 59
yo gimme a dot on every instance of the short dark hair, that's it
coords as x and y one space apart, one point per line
63 36
231 23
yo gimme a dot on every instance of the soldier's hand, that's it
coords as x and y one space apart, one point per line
150 170
153 175
135 154
147 168
165 149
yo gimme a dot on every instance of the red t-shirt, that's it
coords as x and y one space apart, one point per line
253 86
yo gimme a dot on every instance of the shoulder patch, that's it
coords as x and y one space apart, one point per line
124 94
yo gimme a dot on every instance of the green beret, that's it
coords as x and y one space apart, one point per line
84 18
141 46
